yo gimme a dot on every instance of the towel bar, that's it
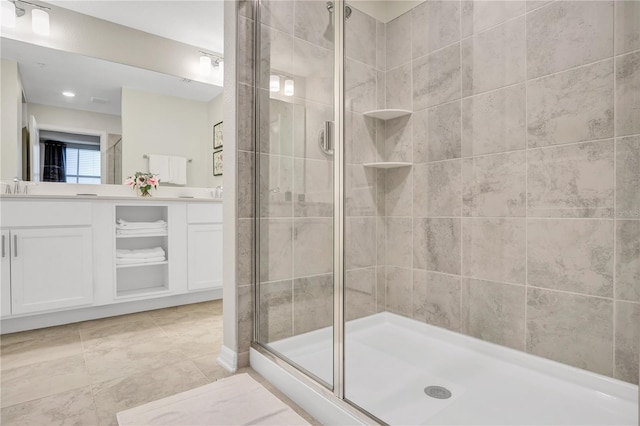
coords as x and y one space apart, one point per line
147 156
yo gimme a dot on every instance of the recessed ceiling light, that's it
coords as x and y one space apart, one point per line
68 94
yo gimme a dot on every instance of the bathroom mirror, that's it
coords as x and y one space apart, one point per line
120 111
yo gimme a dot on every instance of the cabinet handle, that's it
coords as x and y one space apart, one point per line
4 251
15 246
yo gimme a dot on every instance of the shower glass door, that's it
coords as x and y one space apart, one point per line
295 197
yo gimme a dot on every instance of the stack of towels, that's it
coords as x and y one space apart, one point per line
141 228
135 257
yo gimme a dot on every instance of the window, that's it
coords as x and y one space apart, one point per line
83 163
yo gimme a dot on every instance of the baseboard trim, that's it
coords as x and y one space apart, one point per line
228 359
50 319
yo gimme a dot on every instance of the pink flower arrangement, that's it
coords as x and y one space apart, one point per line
143 182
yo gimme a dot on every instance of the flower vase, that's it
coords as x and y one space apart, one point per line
144 193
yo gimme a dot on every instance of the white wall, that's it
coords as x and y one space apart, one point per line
86 35
215 110
11 120
159 124
73 118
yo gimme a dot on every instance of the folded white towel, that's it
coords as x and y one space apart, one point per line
142 232
140 253
122 261
123 224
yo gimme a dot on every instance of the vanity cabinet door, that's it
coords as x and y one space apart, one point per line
51 268
204 256
5 275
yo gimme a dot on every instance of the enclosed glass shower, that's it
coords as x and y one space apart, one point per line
448 206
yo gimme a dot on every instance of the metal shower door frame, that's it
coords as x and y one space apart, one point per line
337 392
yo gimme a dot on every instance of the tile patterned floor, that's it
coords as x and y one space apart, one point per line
84 373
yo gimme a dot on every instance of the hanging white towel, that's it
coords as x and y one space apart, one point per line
160 165
178 170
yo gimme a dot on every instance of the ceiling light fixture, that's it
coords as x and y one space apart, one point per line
8 14
288 87
40 22
209 59
39 15
68 94
205 65
274 83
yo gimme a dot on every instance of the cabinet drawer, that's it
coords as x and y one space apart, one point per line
45 213
204 213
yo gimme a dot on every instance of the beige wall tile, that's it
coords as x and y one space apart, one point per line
627 99
494 59
628 260
494 312
571 181
312 303
495 121
494 185
436 78
435 24
494 249
573 106
572 329
276 308
567 34
571 254
628 177
627 340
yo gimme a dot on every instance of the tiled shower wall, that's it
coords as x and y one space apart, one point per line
519 222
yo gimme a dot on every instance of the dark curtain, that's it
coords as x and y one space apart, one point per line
55 164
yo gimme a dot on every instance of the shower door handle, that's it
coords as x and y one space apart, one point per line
4 250
325 139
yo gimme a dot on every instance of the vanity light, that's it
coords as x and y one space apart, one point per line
8 14
40 22
288 88
205 65
274 83
68 94
39 17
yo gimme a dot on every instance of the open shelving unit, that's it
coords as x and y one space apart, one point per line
133 280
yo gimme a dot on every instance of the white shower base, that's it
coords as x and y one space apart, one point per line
391 359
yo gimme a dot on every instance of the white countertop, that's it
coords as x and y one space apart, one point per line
106 197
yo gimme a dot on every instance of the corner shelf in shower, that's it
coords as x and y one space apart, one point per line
386 114
387 164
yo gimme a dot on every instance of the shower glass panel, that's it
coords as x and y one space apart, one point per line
295 197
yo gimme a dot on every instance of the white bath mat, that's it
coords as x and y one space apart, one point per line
236 400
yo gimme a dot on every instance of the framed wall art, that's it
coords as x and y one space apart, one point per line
217 163
217 136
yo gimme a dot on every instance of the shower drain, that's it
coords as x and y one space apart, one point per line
437 392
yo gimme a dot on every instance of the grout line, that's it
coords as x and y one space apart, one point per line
523 149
